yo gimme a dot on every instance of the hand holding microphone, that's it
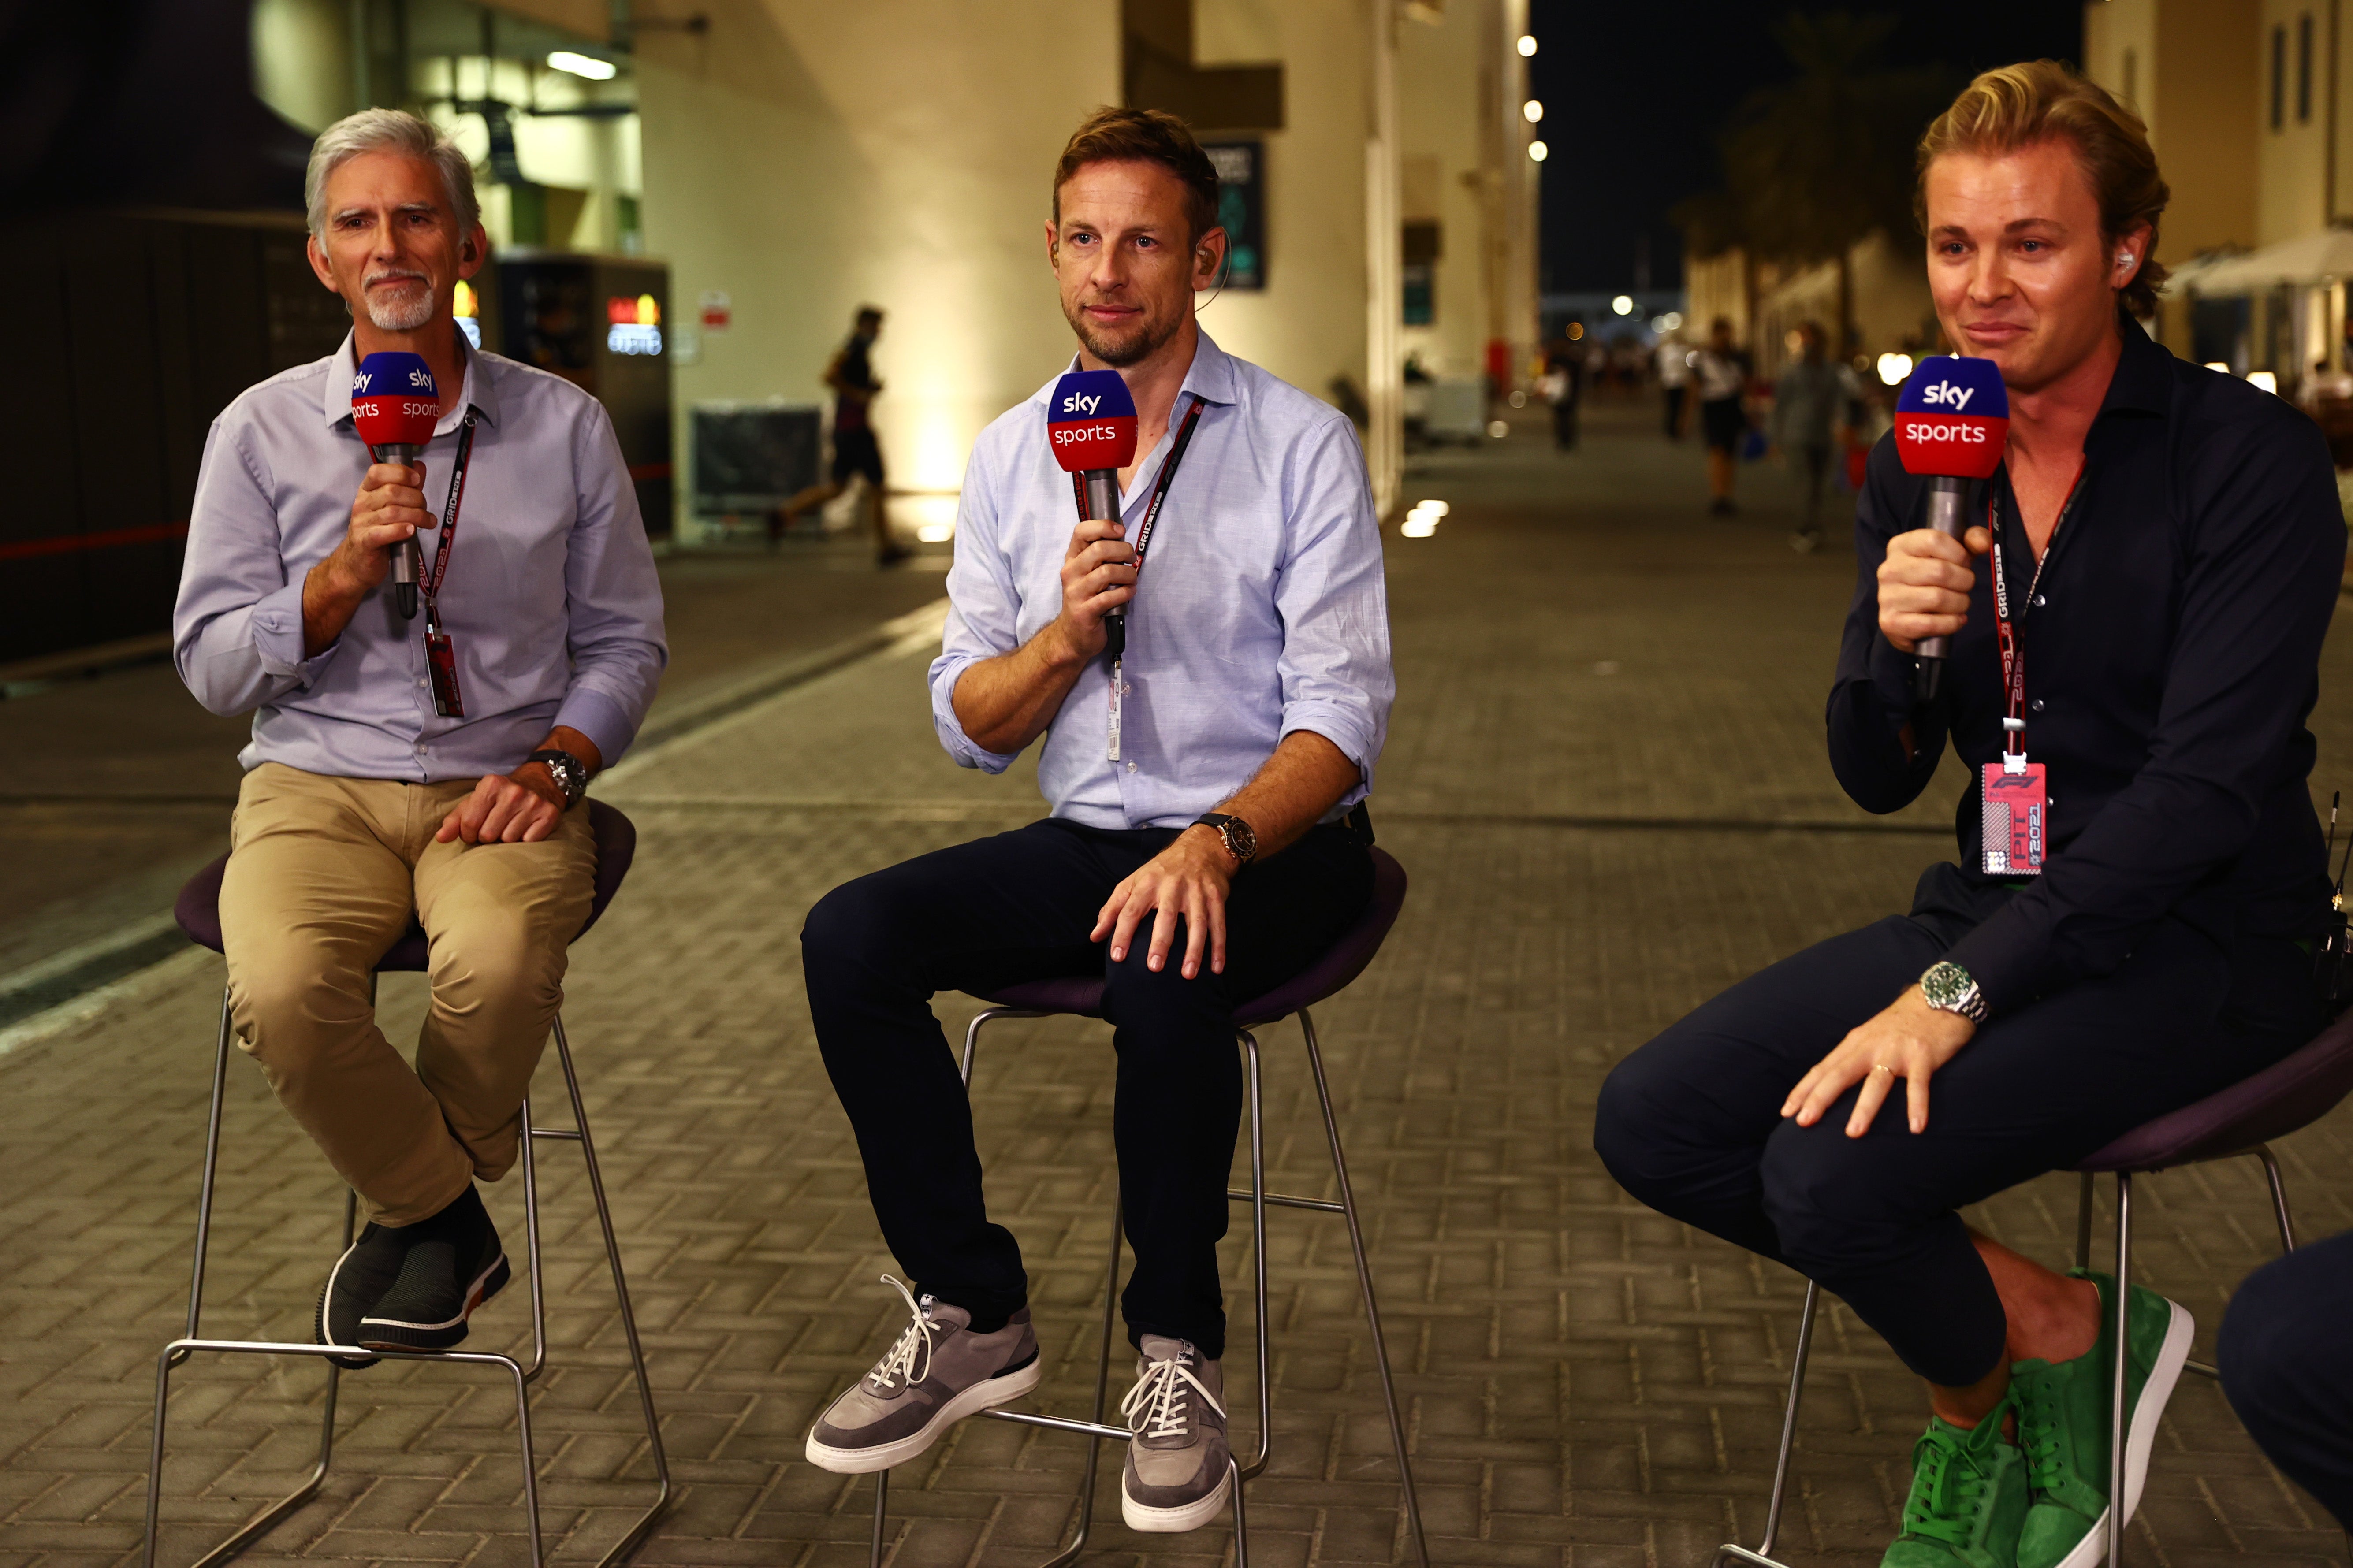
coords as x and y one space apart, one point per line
395 407
1090 430
1952 422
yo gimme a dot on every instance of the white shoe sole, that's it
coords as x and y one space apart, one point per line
1173 1520
980 1396
2141 1436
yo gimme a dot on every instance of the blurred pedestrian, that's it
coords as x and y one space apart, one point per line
1808 404
856 453
1720 370
1563 387
1673 358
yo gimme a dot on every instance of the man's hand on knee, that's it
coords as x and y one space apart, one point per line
1187 880
520 807
1909 1040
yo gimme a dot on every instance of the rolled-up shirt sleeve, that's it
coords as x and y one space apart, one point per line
2257 593
984 616
236 623
1335 670
615 638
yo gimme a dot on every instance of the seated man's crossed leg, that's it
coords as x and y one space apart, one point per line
322 880
1022 905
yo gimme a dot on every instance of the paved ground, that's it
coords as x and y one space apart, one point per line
1606 780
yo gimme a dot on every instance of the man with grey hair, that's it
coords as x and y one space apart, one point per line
403 769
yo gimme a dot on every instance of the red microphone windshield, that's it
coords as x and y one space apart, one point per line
394 401
1952 419
1090 422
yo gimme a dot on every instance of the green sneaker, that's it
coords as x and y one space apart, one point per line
1969 1500
2063 1425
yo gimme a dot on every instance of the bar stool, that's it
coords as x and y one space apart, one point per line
1082 996
2287 1097
198 913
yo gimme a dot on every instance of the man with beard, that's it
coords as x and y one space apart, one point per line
1211 851
378 792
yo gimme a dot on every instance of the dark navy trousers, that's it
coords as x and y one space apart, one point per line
2287 1367
1017 906
1691 1123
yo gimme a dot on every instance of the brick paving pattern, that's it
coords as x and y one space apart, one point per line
1606 780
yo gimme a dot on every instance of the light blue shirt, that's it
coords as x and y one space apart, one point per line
551 602
1260 609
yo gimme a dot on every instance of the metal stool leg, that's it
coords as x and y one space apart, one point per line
1365 1282
1258 1264
263 1523
644 1526
2279 1197
1763 1556
2116 1446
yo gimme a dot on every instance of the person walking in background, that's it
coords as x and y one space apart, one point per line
1720 370
1809 403
1673 359
856 453
1563 383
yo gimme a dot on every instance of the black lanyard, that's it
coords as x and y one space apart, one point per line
2013 658
431 589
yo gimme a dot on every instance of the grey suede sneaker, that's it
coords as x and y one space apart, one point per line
1179 1465
939 1372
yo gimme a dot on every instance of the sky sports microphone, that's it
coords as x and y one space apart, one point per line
1952 422
1091 428
395 407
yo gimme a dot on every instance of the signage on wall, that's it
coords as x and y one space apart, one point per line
633 326
718 310
1241 209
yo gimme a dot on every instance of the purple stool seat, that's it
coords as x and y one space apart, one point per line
1327 976
197 909
2291 1094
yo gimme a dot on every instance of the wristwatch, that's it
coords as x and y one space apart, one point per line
570 772
1240 842
1947 989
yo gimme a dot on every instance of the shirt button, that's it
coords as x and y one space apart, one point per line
420 748
1131 767
2037 601
2036 705
420 683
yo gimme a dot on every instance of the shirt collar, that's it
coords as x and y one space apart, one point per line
477 393
2143 380
1211 376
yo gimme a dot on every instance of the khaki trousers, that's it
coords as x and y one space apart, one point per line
323 875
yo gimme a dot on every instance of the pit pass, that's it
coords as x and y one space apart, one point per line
2017 817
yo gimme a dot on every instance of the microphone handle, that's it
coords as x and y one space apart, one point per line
1098 497
1944 517
407 560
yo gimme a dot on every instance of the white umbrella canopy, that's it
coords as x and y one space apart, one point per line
2308 258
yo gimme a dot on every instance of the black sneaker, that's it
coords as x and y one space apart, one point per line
356 1283
450 1264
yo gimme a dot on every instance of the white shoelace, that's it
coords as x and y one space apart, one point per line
901 1362
1159 1394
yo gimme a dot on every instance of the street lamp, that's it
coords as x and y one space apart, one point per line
1527 46
1538 151
1623 304
1532 111
587 65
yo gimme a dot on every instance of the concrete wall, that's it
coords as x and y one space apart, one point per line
2292 159
1446 65
810 159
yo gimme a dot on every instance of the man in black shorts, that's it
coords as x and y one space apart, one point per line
855 450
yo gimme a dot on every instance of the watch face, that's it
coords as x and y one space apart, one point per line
1240 839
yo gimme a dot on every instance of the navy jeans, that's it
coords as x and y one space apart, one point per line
1019 907
1691 1123
2287 1367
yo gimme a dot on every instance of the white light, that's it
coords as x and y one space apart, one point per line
2265 380
1623 304
1518 399
1434 508
588 65
1532 111
1498 429
1527 46
936 532
1674 320
1538 151
630 338
1893 368
1419 527
2217 364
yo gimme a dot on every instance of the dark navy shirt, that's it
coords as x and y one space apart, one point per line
2172 653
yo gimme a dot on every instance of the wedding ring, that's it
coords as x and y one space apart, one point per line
1882 1067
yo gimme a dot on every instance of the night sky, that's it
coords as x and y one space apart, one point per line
1634 95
